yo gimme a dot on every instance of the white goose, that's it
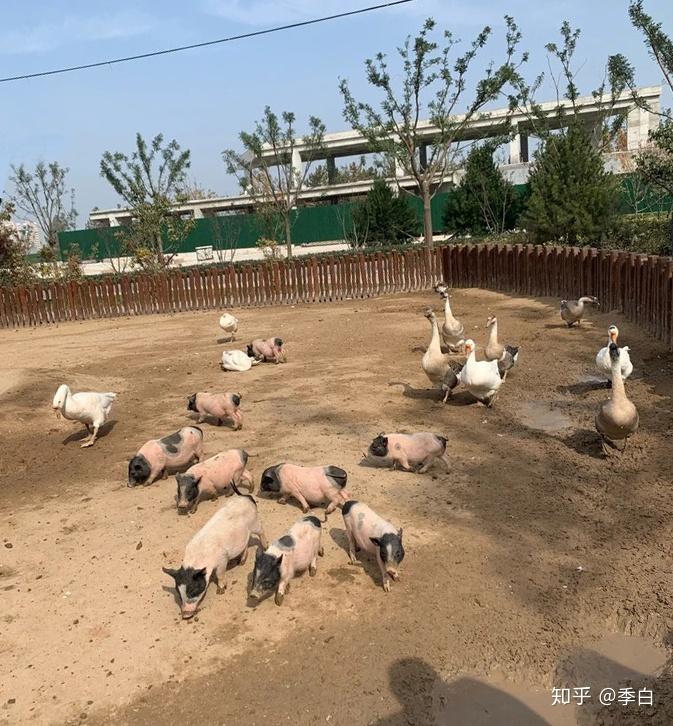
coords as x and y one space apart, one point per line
452 329
237 360
603 361
229 324
481 378
91 408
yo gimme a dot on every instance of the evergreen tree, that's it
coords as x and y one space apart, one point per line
572 198
484 202
383 218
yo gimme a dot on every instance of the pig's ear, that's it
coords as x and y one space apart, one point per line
279 559
399 532
169 571
376 541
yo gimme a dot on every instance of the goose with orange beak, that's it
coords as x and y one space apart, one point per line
481 378
604 362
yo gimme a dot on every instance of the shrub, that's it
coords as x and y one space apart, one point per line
383 218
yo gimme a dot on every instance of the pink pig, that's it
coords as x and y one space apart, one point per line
223 538
217 405
292 554
209 479
368 531
270 350
175 453
310 485
410 451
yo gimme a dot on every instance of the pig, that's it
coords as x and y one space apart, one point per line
309 485
270 350
368 531
295 552
209 479
410 451
217 405
223 538
175 452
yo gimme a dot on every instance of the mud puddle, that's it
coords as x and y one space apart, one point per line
541 416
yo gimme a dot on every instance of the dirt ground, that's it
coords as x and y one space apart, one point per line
524 562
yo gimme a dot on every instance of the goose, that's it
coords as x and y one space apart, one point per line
573 310
506 355
90 408
452 329
237 360
617 418
229 324
481 378
436 365
603 362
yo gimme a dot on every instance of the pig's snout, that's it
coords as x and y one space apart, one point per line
183 508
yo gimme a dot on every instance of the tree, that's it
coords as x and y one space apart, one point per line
434 88
655 161
658 43
151 182
14 246
384 218
572 197
42 195
275 164
484 202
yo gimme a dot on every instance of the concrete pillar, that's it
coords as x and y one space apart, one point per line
297 166
639 122
518 149
330 163
399 169
198 213
113 221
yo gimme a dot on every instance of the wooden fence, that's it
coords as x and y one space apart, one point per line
639 286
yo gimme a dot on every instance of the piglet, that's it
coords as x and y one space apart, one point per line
223 538
292 554
410 451
209 479
309 485
270 350
175 453
217 405
368 531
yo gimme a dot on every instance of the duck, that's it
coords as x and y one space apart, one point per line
229 324
617 418
452 329
506 355
481 378
90 408
237 360
436 364
572 311
603 362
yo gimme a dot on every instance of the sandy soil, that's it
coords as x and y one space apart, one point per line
520 560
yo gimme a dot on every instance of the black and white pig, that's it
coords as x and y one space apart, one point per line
368 531
290 555
211 478
309 485
171 453
270 350
223 538
218 406
410 451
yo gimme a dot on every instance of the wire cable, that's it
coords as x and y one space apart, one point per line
206 43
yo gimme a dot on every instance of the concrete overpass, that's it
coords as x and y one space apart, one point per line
494 123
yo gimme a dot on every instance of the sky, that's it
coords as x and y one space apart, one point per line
205 97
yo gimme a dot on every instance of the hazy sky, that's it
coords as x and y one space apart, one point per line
203 98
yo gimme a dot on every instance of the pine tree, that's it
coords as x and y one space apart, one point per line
572 198
383 218
484 202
